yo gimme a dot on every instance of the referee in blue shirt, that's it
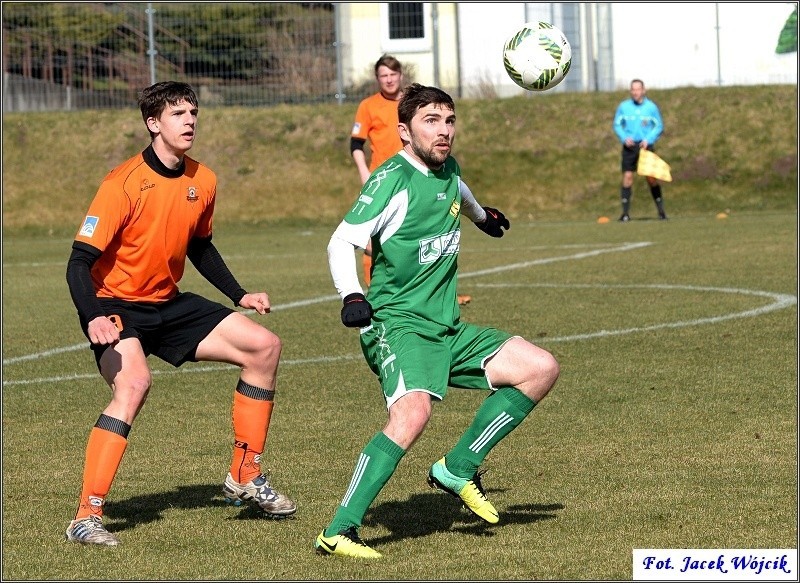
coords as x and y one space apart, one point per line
638 125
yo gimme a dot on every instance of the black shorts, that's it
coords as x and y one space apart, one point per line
630 157
171 330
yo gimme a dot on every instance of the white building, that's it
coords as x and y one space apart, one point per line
458 45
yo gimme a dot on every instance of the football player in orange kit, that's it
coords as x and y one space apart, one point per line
149 215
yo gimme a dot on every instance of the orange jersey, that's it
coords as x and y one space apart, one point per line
376 121
142 220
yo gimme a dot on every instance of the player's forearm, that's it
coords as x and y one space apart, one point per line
361 164
209 263
469 206
342 264
79 281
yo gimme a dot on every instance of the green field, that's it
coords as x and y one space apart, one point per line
546 157
673 425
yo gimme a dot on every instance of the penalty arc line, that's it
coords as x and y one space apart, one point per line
321 299
780 301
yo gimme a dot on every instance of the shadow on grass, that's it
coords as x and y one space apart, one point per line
420 515
425 514
124 514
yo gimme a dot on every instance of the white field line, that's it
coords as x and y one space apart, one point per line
317 300
780 301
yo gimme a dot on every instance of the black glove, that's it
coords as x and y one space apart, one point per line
356 312
494 223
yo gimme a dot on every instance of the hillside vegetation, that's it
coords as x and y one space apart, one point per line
539 156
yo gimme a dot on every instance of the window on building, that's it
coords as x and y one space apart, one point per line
406 20
405 26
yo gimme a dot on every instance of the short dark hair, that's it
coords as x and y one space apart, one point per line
388 61
416 96
154 99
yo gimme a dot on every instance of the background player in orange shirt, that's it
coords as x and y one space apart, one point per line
376 121
150 214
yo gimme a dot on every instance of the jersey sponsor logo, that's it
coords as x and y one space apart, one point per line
455 208
356 128
192 194
89 226
432 249
441 196
146 184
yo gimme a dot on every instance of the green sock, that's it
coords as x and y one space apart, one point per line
499 414
376 464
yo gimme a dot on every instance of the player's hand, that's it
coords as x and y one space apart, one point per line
102 330
356 311
495 222
257 301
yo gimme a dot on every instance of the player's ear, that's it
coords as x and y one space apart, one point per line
405 135
152 124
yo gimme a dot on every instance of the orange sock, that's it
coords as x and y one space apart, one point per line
104 453
366 261
251 416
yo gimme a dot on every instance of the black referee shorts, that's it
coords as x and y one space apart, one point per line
630 156
170 330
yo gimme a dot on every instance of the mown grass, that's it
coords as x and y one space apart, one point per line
673 425
540 157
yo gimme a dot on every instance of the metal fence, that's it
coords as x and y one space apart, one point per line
98 55
79 55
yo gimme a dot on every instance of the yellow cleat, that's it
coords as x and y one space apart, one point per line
470 492
346 544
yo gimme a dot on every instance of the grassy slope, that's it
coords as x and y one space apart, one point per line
540 156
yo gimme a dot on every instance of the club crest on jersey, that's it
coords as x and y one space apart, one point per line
192 195
89 226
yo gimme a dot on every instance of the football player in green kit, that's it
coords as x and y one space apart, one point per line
410 328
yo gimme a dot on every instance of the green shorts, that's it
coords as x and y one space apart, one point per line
420 356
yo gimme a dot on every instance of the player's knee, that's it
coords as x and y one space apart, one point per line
549 369
269 346
544 373
133 387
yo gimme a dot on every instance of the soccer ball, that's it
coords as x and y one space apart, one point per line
538 56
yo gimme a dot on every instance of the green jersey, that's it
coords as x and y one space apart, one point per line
412 216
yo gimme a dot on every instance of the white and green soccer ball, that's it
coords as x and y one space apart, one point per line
538 56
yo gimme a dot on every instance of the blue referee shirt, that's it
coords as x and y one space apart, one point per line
638 121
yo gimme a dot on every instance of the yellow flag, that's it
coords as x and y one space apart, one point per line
651 165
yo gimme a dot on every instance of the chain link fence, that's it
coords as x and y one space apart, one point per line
80 55
99 55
